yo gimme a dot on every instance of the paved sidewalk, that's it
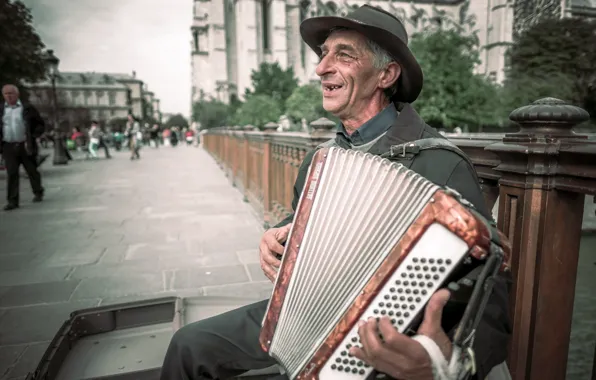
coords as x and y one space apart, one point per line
111 231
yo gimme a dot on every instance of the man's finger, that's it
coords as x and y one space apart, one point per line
393 339
434 313
267 256
273 244
281 235
269 272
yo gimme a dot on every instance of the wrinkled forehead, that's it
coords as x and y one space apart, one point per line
344 39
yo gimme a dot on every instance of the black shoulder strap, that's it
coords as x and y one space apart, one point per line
412 148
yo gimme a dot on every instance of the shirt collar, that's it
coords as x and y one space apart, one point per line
373 128
19 104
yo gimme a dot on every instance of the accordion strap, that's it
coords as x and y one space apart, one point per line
459 367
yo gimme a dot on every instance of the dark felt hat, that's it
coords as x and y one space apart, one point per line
381 27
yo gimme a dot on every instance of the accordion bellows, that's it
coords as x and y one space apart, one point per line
369 238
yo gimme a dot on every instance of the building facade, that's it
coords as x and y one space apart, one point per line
230 38
82 97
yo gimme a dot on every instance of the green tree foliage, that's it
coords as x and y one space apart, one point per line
452 94
211 113
306 102
21 49
177 121
555 53
271 80
258 110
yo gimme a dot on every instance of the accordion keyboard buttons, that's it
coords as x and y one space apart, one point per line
402 298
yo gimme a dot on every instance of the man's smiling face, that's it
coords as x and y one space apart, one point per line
348 77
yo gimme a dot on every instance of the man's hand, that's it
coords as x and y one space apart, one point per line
398 355
270 246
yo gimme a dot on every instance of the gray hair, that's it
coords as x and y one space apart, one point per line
380 59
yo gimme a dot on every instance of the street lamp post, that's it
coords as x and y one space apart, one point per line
59 147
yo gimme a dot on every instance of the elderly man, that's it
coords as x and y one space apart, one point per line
20 126
368 78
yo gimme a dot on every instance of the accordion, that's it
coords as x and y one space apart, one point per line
371 238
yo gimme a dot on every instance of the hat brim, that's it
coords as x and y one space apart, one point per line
315 30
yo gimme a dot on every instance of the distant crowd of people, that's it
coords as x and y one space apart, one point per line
133 136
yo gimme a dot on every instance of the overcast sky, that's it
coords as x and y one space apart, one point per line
151 37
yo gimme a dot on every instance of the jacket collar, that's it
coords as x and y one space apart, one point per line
408 126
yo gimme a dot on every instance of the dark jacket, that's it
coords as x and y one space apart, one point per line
445 168
34 126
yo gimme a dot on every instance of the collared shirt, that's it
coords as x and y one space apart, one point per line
13 129
372 129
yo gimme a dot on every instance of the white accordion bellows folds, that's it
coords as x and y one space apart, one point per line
370 238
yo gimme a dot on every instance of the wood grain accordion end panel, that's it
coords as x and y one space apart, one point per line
369 238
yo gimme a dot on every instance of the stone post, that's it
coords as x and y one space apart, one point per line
270 127
545 171
321 131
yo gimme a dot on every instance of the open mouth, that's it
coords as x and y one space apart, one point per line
332 87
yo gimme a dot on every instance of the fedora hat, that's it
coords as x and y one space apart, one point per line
381 27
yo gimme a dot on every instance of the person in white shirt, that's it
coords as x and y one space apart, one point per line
20 126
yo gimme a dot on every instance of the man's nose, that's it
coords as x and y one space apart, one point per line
324 67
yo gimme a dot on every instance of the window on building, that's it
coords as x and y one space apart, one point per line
112 98
266 24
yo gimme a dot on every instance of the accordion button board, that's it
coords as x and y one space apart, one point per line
403 297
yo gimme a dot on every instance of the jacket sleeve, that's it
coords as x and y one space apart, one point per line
298 186
494 329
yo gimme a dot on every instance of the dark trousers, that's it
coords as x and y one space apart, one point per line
14 155
220 347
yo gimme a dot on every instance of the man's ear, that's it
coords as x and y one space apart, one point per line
389 75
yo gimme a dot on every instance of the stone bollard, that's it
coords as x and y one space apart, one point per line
270 127
321 126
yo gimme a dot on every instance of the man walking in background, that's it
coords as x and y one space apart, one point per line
20 126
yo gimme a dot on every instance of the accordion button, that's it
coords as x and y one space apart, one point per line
362 372
440 261
340 368
448 262
431 261
333 366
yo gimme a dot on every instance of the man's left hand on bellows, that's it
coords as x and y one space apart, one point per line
398 355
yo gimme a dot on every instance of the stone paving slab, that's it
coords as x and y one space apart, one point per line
114 231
